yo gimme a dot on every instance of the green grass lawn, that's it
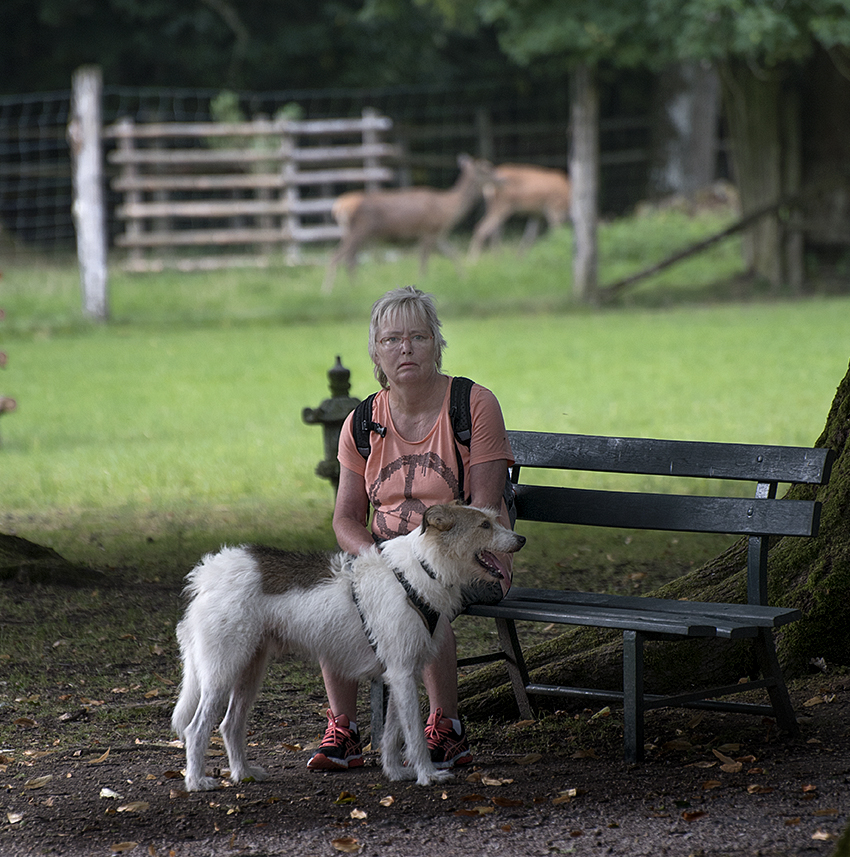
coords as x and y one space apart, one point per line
177 425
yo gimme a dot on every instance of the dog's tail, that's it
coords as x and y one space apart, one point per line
190 688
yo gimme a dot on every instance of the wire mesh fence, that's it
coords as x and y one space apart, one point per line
432 125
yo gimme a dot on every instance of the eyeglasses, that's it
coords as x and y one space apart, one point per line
416 340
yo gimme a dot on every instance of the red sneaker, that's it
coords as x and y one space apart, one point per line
340 748
448 748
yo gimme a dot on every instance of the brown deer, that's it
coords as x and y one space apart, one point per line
522 189
420 214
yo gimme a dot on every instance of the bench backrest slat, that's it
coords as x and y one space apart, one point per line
746 462
677 512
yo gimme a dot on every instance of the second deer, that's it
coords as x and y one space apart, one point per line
522 189
420 214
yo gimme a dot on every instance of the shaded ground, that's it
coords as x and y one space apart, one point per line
87 767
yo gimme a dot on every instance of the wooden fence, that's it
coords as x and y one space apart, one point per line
195 192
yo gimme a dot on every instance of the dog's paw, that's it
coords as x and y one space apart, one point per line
399 773
254 774
202 784
426 778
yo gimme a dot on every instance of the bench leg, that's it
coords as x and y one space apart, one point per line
378 706
633 710
777 690
515 663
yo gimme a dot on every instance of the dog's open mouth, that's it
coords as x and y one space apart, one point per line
490 564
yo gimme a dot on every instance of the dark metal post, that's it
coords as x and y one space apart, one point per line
330 415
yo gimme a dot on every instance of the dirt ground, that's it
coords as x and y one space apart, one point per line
82 776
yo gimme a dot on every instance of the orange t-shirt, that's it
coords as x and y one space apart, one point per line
403 478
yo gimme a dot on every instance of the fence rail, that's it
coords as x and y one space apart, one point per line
223 185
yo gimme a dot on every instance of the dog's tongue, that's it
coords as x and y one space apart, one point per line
492 564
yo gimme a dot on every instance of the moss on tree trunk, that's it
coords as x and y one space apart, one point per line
810 574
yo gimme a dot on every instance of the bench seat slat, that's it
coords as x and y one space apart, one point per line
756 614
747 462
682 513
599 617
652 616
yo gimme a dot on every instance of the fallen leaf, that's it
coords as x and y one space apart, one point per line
102 758
585 754
704 764
521 723
296 748
14 817
505 801
561 799
494 781
693 815
152 693
711 784
824 812
38 782
756 789
810 788
810 703
348 844
121 847
792 822
134 806
389 800
25 722
345 797
109 793
823 836
530 759
472 797
358 814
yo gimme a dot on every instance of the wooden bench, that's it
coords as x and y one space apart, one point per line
643 618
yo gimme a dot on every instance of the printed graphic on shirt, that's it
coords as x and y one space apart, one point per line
396 510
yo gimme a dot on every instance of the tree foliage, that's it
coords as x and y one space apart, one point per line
250 44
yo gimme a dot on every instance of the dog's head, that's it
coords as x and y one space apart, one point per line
470 537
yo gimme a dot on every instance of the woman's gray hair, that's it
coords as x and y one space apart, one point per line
411 307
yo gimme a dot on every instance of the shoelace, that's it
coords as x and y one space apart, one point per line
334 733
435 730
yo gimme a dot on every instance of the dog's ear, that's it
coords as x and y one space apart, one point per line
439 517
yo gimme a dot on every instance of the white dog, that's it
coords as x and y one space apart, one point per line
362 616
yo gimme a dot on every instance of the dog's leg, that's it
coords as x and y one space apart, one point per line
404 702
196 738
392 743
232 728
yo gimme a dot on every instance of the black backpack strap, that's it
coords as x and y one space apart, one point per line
460 415
362 426
460 412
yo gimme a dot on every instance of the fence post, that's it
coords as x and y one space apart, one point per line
84 137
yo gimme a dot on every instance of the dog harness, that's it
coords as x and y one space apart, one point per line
426 612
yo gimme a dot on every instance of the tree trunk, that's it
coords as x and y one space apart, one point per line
762 111
684 146
584 176
810 574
